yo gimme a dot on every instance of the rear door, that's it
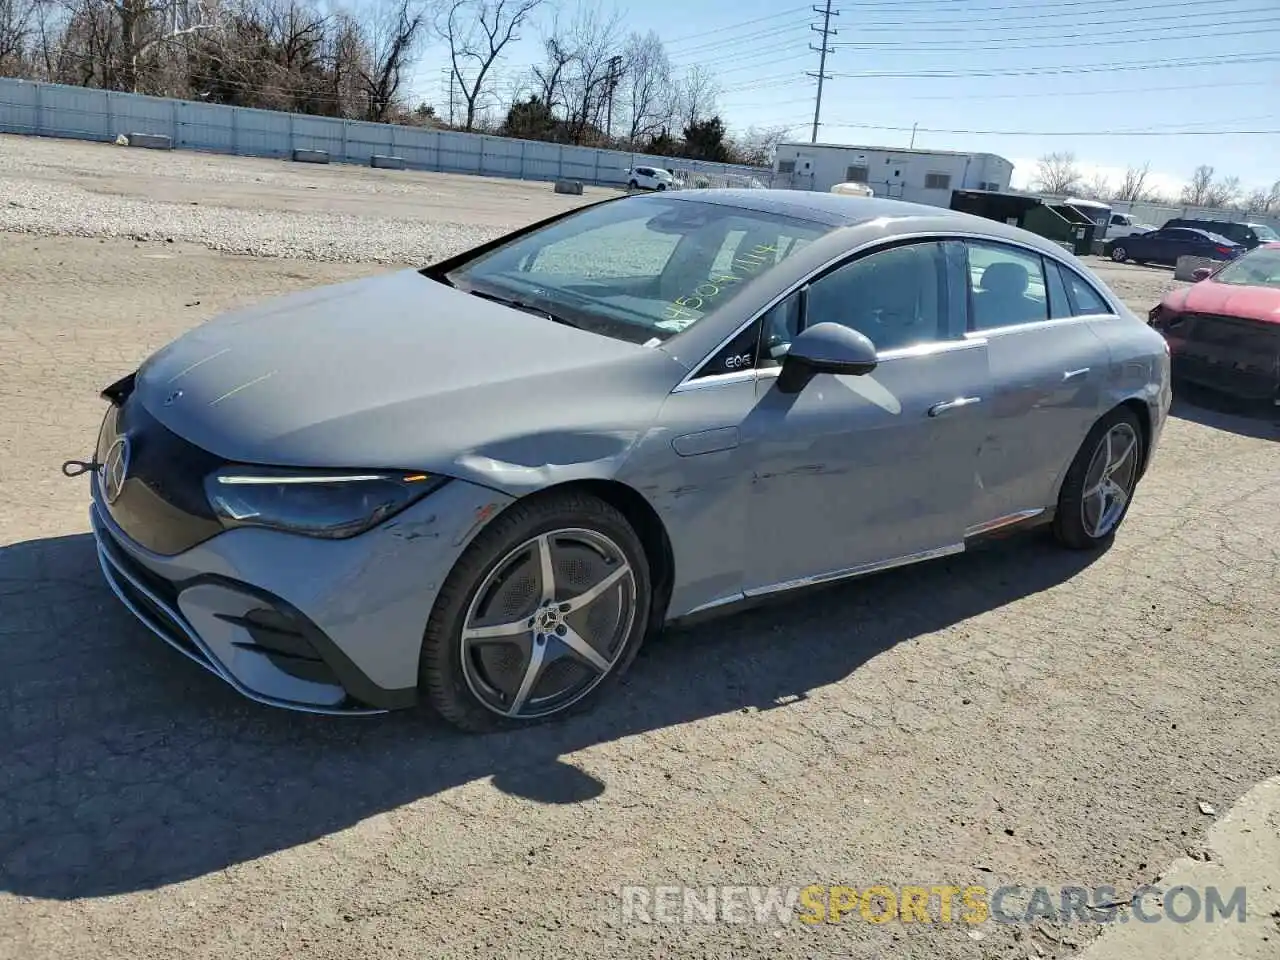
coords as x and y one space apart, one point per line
1048 367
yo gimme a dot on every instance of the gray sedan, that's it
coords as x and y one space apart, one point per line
483 484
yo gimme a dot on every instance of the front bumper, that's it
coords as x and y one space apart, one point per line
321 626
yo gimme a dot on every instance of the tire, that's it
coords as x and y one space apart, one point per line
661 187
1087 515
633 185
489 686
1119 254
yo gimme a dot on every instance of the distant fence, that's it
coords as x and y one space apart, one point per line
85 113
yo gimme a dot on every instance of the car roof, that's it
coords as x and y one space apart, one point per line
843 210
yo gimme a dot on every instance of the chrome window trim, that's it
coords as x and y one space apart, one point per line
849 255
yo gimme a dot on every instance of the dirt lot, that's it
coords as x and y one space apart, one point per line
1016 715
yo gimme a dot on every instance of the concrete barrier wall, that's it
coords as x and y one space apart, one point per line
83 113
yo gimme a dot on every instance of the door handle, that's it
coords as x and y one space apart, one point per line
946 406
1073 374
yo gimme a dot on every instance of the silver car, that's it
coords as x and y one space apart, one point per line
483 484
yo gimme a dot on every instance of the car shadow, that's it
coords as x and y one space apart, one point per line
128 768
1209 408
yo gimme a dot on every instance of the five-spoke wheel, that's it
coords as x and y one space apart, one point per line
1100 483
550 603
548 623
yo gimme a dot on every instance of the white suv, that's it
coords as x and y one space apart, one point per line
649 178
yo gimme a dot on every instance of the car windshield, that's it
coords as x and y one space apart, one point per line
1265 233
1261 268
640 268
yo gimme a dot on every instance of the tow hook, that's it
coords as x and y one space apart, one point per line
74 468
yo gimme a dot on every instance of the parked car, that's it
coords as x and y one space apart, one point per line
1224 330
542 449
1167 244
1124 225
650 178
1248 235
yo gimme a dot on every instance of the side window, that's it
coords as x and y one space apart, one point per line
1059 302
1085 301
1007 286
896 297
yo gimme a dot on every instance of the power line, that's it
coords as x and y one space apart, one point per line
1061 133
898 8
1269 56
782 14
1087 39
898 25
827 32
1112 91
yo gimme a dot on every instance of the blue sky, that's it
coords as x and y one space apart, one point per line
992 67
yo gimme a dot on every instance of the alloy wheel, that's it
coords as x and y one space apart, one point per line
548 623
1109 481
1119 254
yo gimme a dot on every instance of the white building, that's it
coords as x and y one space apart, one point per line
920 176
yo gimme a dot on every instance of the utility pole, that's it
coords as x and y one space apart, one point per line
614 75
913 135
827 32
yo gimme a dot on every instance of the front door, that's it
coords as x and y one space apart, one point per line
858 472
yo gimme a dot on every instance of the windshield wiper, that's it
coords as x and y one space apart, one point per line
527 307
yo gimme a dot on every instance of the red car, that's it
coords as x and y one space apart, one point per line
1224 330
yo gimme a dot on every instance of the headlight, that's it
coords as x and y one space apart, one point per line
315 503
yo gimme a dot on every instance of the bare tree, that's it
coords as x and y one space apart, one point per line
648 92
697 96
596 41
1224 192
1133 187
1057 173
1097 187
757 145
551 77
18 22
1196 192
1255 201
477 32
395 37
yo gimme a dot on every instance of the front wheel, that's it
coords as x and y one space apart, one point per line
1119 254
662 186
1099 485
541 614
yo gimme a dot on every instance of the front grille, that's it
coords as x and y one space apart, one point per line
162 504
1231 354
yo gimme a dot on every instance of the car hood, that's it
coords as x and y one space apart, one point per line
399 371
1225 299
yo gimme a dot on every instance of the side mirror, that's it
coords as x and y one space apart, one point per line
1201 273
825 348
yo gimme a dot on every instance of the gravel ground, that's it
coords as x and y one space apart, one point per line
265 208
1014 715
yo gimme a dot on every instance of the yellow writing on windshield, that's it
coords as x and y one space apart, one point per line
682 311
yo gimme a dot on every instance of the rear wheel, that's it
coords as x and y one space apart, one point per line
633 185
542 613
1119 254
1099 485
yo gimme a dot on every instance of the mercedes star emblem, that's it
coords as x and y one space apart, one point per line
114 469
